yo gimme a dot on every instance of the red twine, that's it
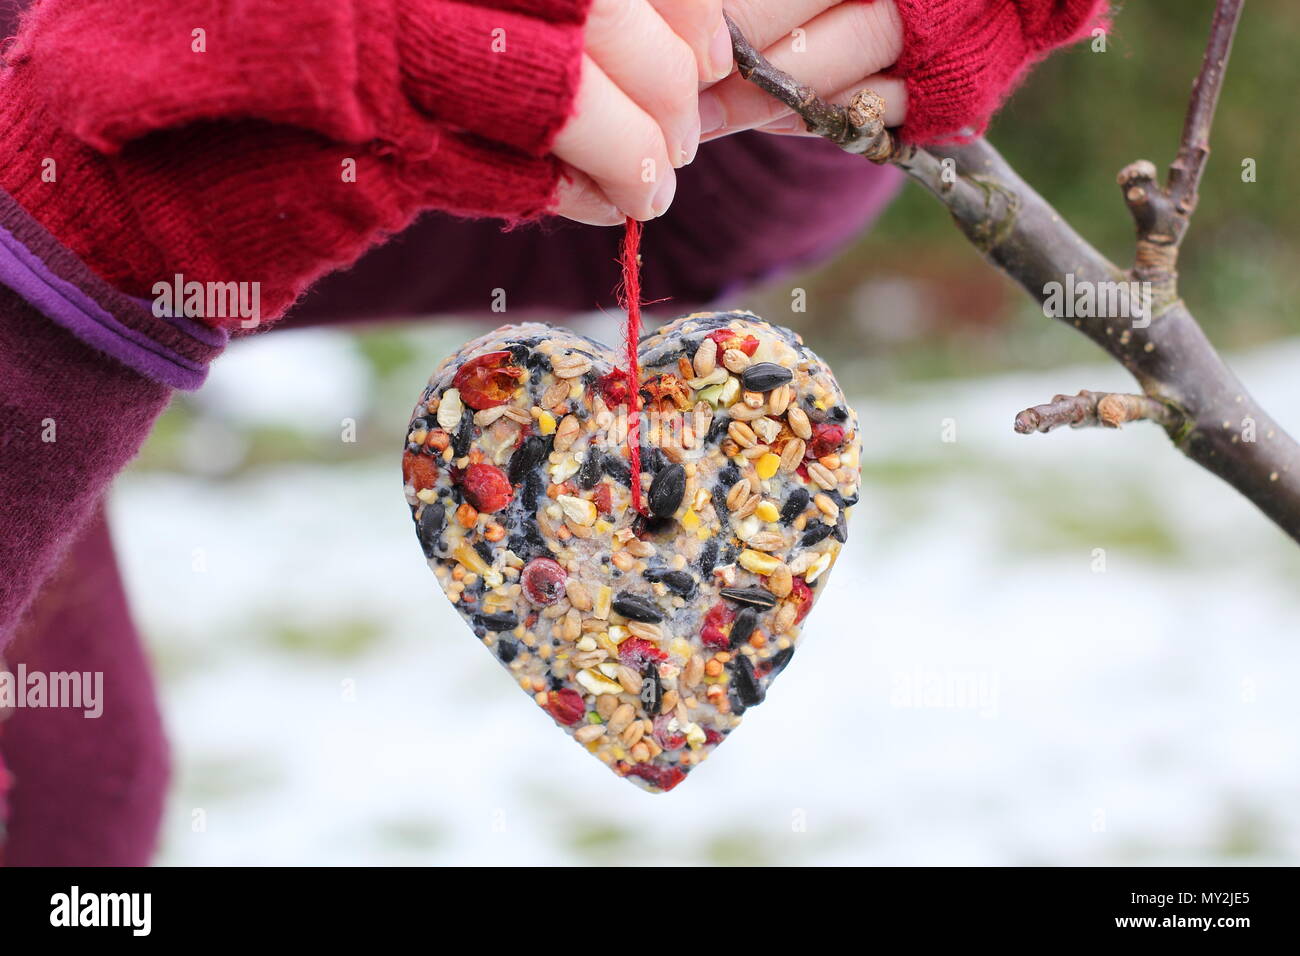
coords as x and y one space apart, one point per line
630 300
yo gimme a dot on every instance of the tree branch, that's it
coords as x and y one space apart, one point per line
1091 409
1135 315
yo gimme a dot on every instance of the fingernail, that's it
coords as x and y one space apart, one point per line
720 51
789 123
690 146
663 197
712 116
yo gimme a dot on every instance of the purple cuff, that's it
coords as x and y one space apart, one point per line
174 351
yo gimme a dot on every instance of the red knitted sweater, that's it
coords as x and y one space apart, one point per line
214 140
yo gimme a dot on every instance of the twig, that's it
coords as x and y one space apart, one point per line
857 128
1093 409
1148 329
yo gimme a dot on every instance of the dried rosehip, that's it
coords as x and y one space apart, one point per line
666 737
713 634
728 339
486 487
825 440
802 597
543 581
634 652
604 498
488 380
566 706
419 471
667 388
665 778
614 388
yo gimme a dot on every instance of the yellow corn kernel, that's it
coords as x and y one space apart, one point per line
471 559
767 465
597 683
758 562
767 511
604 597
690 521
603 527
545 423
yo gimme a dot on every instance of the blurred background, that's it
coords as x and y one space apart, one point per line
1065 649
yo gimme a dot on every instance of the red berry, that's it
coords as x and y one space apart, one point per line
486 487
667 738
419 471
714 637
712 736
635 652
665 778
728 339
715 621
802 596
566 706
543 581
488 380
614 389
825 440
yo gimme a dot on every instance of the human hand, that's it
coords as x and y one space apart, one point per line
838 49
636 116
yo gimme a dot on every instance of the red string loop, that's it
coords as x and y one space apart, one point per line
630 299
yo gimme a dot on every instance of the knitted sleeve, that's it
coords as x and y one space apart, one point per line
962 58
115 71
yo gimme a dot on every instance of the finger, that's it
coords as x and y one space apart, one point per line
640 53
764 23
837 49
580 199
616 143
700 24
892 90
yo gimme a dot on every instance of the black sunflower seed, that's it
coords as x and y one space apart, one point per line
590 472
708 557
501 621
754 597
507 649
841 530
429 527
818 532
526 457
666 490
780 659
484 551
679 582
533 488
652 689
765 376
716 429
743 626
794 505
636 608
464 434
617 469
745 686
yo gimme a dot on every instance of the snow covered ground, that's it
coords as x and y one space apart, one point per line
1063 649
